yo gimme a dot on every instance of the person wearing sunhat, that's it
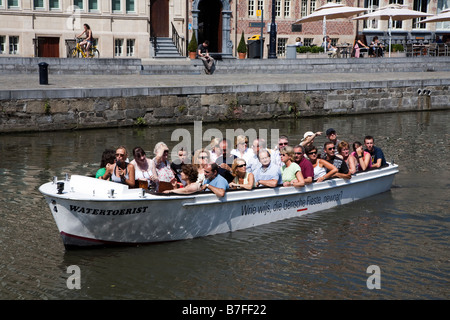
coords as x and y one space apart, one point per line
332 136
308 138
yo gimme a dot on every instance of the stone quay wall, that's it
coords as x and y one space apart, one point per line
48 110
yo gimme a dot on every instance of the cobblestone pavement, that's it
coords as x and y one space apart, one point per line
31 81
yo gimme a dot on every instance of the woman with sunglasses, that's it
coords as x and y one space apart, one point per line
291 174
242 178
201 159
242 150
121 171
144 168
363 158
320 166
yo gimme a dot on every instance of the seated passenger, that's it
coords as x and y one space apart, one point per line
242 178
214 181
108 156
268 174
144 169
121 171
340 164
291 174
304 164
201 160
241 148
225 159
376 153
178 163
320 166
189 174
344 153
166 177
363 159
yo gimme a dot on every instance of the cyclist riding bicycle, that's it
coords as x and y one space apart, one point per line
88 41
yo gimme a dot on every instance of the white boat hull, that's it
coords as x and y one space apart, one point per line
86 215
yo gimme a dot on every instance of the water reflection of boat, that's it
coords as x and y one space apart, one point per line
90 212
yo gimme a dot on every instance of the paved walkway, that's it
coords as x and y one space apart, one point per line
31 81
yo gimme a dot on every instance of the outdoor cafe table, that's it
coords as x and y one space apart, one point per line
344 50
423 48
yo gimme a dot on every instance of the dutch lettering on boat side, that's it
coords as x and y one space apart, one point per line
301 204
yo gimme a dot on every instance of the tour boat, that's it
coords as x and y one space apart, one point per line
90 211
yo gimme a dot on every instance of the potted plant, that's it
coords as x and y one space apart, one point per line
242 47
192 47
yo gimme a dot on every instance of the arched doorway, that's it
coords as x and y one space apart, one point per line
211 21
209 24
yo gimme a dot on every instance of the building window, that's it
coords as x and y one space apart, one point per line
260 5
118 47
115 5
54 4
278 8
371 5
2 44
304 8
129 4
251 8
396 24
13 3
287 8
13 45
93 5
312 6
130 47
78 3
307 42
281 46
422 6
442 5
38 4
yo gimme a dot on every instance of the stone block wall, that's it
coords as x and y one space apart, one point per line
160 106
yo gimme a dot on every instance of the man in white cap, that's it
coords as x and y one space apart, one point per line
308 138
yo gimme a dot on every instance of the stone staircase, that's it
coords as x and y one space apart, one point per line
166 49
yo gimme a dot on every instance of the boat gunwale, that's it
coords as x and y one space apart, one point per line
207 196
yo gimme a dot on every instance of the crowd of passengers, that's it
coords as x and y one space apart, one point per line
218 167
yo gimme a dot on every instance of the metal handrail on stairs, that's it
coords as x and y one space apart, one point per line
178 40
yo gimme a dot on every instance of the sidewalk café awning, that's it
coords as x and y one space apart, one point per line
331 11
443 16
393 12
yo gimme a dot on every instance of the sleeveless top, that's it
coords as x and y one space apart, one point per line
236 179
319 171
358 167
116 178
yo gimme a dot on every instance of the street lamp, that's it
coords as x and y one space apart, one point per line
273 35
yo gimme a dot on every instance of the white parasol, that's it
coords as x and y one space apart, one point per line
393 12
331 11
443 16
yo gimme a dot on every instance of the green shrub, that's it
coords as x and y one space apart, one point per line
313 49
192 46
242 47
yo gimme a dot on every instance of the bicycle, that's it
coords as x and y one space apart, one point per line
78 51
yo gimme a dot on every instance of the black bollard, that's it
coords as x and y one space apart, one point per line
43 73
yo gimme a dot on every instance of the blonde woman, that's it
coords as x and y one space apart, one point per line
214 149
291 174
241 148
242 178
201 160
